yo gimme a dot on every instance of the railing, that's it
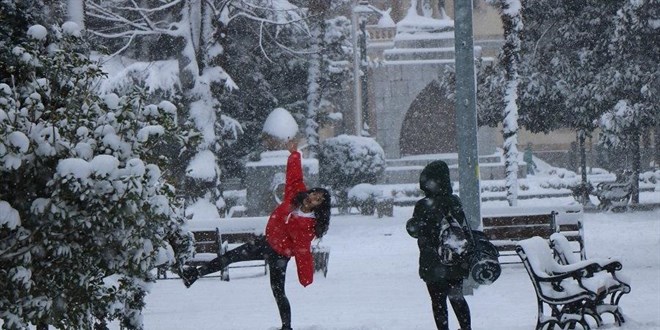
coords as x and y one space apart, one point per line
377 33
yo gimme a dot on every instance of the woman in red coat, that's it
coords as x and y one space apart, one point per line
302 216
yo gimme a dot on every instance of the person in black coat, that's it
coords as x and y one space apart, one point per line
443 280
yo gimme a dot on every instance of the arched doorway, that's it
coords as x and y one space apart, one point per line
429 126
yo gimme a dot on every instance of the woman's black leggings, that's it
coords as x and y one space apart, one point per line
259 250
453 290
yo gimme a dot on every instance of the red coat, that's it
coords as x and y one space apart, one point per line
291 234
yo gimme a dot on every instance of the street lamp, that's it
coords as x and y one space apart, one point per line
360 10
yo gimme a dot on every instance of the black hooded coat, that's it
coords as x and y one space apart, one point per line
425 223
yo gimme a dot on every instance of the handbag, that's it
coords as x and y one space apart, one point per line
484 266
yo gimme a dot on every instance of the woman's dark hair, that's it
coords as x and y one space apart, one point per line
321 212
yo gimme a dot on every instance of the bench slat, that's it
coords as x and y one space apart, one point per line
232 238
206 241
517 220
518 233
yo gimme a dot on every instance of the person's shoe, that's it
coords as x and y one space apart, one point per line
189 275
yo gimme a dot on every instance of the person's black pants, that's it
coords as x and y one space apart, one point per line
439 292
259 250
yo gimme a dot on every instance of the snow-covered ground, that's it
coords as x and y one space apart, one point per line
372 282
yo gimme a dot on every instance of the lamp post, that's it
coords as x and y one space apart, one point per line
365 78
360 9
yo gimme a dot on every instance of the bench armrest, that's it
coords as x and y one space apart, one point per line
559 284
584 267
608 264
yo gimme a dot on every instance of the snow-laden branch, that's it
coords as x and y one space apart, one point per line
137 8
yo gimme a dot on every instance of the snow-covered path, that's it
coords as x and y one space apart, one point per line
372 284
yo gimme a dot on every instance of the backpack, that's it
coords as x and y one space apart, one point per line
455 242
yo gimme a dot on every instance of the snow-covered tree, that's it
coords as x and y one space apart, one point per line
185 39
263 44
317 10
348 160
85 214
512 21
563 53
632 80
273 72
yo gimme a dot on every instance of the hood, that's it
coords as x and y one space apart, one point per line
434 179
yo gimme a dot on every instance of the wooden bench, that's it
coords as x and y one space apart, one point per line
207 248
320 254
226 241
569 224
570 292
233 239
505 226
211 244
504 231
613 195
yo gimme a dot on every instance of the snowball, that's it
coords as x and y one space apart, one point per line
280 124
38 32
71 28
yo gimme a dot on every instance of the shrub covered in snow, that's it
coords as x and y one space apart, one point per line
345 161
85 213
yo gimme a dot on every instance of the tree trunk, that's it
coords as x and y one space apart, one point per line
583 167
656 142
636 166
317 22
512 24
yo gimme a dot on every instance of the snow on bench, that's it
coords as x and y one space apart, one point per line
570 292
